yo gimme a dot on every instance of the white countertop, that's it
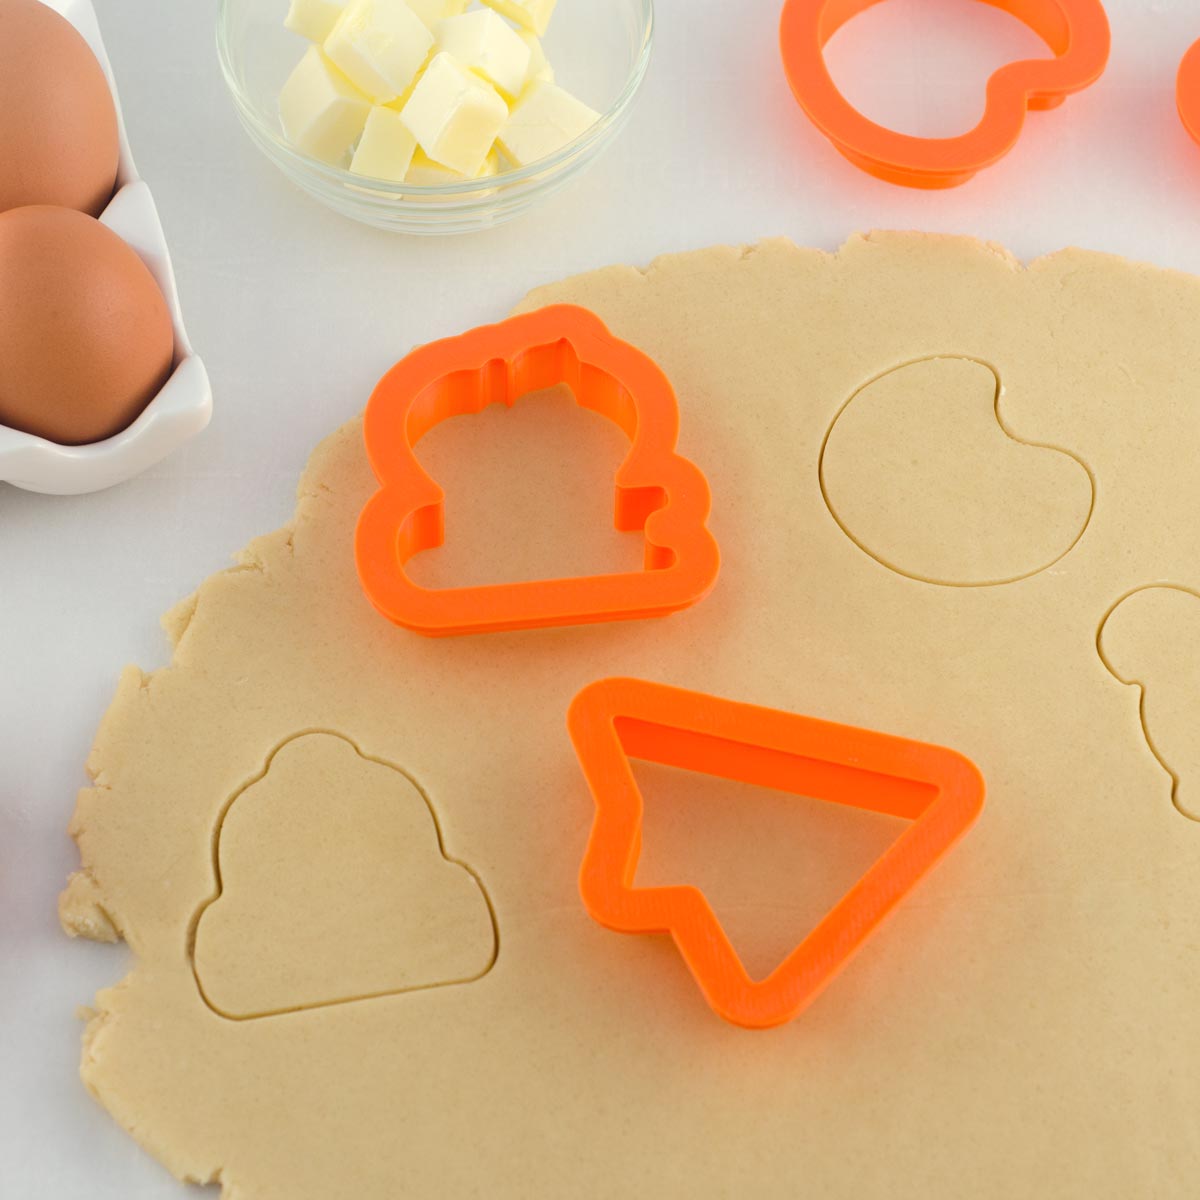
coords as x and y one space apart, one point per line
297 313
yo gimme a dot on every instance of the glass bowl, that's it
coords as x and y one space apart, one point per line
599 49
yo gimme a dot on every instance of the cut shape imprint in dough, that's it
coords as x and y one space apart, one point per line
921 473
1151 640
333 885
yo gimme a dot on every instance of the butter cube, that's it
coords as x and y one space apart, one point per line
380 45
544 120
487 45
533 15
539 66
321 110
386 148
433 11
401 100
427 173
314 19
454 115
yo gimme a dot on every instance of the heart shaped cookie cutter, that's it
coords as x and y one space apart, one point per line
657 490
1076 31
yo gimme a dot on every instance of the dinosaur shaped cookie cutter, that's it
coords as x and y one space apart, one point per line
658 491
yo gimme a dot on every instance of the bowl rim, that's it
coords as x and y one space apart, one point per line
389 191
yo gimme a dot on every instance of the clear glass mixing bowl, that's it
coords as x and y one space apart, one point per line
599 49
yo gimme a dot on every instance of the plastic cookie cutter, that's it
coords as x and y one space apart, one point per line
1187 91
657 491
1075 30
616 720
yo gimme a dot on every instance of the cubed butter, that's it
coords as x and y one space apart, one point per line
424 172
401 100
544 120
314 19
454 115
386 148
539 66
533 15
433 11
427 173
321 110
488 45
380 45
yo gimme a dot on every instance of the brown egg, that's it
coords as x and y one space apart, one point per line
58 123
86 340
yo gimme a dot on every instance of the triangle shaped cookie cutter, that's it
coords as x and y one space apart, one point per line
615 720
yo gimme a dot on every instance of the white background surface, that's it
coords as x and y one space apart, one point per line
297 313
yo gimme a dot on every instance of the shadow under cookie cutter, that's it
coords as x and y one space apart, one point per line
657 490
1076 31
614 720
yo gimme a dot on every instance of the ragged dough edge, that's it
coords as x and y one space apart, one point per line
81 910
85 907
669 266
98 1022
666 266
855 248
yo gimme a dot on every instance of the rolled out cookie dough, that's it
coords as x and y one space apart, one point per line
1025 1025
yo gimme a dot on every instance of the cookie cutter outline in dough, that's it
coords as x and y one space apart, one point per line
1143 688
657 490
886 560
220 890
613 720
1077 31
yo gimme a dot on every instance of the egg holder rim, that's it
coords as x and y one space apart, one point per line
183 405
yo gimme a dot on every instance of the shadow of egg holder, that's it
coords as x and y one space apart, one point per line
183 406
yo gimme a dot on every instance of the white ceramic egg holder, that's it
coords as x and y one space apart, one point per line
184 405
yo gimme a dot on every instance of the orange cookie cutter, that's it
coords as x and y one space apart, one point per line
614 720
657 491
1187 91
1076 30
